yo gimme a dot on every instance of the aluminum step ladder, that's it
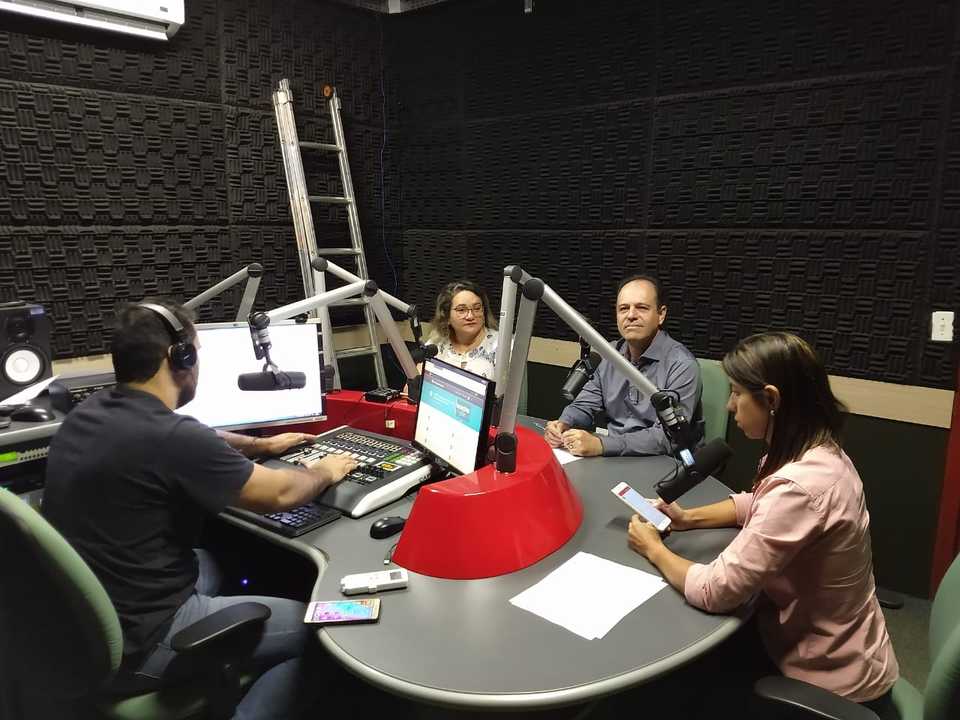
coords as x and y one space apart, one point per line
301 202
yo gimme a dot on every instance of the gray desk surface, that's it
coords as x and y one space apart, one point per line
460 643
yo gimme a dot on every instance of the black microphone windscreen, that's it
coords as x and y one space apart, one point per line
257 381
661 400
711 456
706 461
425 353
266 380
291 380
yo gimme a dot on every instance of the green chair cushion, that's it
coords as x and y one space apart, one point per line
716 393
59 603
177 703
908 700
172 704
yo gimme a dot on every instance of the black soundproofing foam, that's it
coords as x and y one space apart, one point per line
135 168
789 165
778 166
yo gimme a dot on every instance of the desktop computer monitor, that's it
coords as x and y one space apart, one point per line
453 417
225 351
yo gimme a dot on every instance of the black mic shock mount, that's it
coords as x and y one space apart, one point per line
581 371
691 469
260 335
675 424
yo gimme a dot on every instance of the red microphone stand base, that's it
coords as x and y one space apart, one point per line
488 523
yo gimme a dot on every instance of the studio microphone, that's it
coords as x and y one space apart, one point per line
706 461
260 334
419 354
581 371
675 423
272 380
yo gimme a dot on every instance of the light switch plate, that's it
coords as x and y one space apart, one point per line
941 329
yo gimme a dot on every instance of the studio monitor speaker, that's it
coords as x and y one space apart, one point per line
24 346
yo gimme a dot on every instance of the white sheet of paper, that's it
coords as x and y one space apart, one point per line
564 457
589 595
28 394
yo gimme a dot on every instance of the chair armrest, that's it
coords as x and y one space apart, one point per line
218 625
814 701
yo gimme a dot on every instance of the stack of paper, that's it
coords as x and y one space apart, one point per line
563 456
588 595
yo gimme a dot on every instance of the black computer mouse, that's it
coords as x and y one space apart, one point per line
387 526
32 413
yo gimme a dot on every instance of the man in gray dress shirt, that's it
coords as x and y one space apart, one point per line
633 428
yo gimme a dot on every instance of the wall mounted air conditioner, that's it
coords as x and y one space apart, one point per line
156 19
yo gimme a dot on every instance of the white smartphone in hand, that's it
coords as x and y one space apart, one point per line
640 505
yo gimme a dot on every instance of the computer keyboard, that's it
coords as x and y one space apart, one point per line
290 523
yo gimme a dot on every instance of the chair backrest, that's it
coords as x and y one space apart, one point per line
941 697
59 630
522 402
716 393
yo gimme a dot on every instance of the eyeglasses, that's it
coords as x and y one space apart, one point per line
464 310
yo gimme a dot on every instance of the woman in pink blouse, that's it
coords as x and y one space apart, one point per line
804 545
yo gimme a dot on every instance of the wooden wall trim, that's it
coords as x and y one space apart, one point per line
903 403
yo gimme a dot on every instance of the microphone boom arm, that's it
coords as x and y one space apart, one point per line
378 303
252 273
533 291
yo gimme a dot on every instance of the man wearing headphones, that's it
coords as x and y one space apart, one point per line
128 483
633 428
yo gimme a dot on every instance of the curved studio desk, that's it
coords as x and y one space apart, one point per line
461 644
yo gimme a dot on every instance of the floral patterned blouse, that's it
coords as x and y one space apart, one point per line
480 360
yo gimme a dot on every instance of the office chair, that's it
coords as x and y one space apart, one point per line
522 402
939 700
716 393
61 642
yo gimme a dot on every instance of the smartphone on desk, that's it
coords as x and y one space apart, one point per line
639 504
330 612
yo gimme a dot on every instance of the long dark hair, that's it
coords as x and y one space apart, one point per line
441 317
808 415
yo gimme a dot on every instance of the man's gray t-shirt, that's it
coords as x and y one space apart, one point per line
128 483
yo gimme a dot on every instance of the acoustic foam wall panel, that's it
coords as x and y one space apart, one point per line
79 157
855 153
563 55
852 294
136 168
185 68
584 268
311 44
432 187
425 86
706 45
258 189
580 167
792 165
81 274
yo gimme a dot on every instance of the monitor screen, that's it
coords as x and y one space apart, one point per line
225 351
454 415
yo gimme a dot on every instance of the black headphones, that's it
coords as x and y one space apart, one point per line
183 354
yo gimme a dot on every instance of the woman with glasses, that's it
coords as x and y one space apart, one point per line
464 328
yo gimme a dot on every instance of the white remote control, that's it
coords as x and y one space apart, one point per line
373 582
